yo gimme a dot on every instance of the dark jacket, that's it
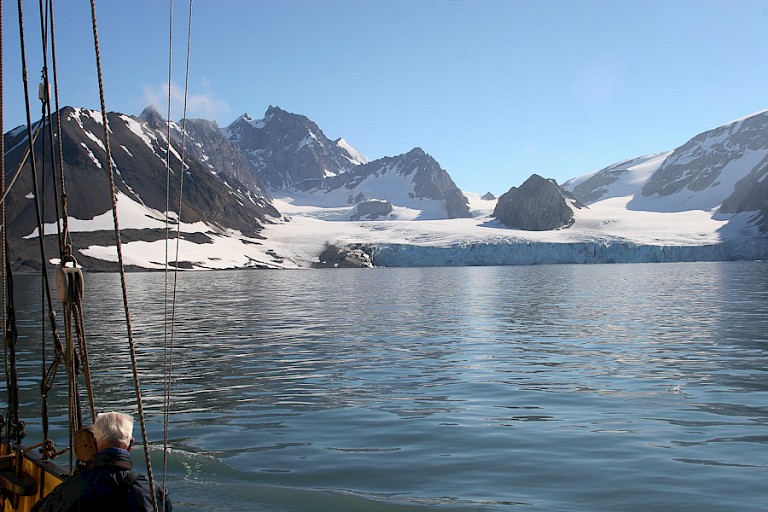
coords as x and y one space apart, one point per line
108 484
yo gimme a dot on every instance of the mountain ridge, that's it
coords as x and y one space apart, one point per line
294 155
212 206
289 149
708 192
722 170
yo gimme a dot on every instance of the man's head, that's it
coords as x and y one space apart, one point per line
113 430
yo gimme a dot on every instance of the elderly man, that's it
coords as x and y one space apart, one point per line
108 483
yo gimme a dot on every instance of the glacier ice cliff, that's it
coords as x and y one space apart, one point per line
540 253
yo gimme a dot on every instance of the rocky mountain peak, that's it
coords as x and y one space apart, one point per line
273 110
203 123
276 114
290 151
152 118
418 176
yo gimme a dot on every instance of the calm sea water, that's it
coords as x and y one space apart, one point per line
542 388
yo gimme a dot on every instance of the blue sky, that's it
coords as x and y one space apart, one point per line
495 90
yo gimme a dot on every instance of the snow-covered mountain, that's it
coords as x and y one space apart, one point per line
290 150
227 172
704 201
413 184
295 159
621 179
277 193
217 209
722 171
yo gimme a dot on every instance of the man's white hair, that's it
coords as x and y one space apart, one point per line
113 430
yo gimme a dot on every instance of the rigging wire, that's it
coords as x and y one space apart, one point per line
66 241
45 98
40 194
2 189
168 179
46 29
169 360
36 186
72 307
3 239
13 418
20 167
120 257
43 358
166 327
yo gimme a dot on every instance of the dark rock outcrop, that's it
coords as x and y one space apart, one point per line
537 205
432 182
352 256
751 195
372 209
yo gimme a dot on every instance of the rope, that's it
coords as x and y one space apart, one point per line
71 360
120 257
41 233
10 337
30 154
20 167
77 309
46 114
2 204
66 241
3 260
43 359
166 348
169 367
168 176
71 382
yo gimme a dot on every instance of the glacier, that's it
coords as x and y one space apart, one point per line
605 232
543 253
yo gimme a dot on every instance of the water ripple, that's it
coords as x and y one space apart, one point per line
552 387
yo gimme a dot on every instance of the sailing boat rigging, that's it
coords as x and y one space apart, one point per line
30 472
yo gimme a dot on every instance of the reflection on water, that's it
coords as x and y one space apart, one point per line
631 387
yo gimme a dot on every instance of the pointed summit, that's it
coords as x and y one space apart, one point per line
414 180
275 110
152 117
354 156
